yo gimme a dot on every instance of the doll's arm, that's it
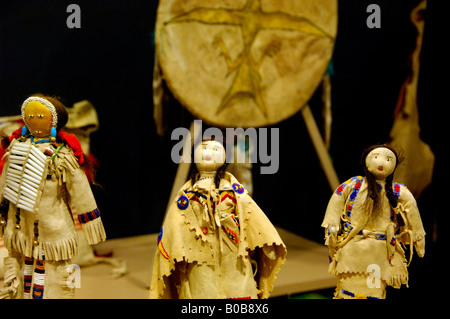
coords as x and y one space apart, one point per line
332 219
2 183
4 203
82 198
331 222
413 220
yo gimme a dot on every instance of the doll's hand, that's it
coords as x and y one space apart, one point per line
270 253
420 247
332 237
332 241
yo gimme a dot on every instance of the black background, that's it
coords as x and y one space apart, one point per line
109 61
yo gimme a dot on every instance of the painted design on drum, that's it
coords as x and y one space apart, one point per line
251 19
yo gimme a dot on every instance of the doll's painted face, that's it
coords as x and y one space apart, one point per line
381 162
209 156
38 119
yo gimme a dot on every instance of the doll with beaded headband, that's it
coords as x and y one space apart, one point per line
368 222
42 178
215 242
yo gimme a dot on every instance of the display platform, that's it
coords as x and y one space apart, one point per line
305 268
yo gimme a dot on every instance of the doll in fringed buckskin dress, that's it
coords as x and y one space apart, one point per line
43 176
367 221
215 241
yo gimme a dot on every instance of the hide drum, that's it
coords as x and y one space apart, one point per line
244 63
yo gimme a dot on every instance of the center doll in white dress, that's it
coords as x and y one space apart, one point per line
215 241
